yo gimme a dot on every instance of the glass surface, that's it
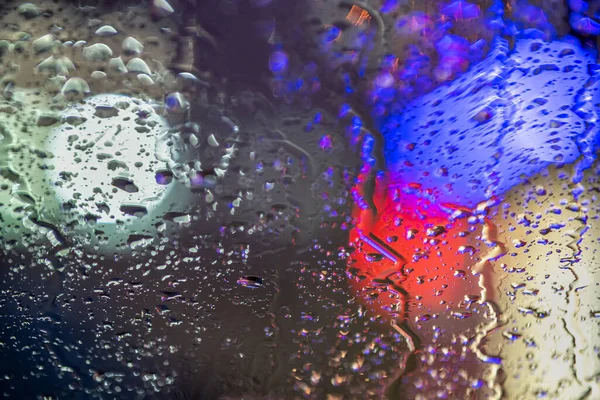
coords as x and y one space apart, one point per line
299 199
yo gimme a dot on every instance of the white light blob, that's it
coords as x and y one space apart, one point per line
104 158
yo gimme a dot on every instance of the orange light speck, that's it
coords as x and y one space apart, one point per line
358 16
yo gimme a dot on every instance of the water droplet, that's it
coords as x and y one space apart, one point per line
97 52
278 62
161 8
138 65
249 281
43 44
131 46
76 86
56 65
29 10
117 65
98 75
106 30
212 141
145 79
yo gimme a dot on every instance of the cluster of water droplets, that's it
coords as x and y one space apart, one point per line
456 155
168 231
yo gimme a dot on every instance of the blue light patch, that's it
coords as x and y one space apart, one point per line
508 117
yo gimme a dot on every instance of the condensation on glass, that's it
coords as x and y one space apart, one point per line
230 199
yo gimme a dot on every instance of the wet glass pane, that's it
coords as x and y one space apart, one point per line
299 199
